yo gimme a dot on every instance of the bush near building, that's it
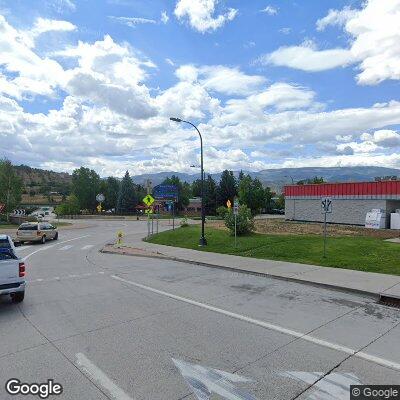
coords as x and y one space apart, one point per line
244 221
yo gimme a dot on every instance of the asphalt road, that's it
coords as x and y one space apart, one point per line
118 327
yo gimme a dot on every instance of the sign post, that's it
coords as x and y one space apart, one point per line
326 205
100 198
235 212
148 200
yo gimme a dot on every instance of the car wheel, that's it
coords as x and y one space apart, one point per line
43 240
56 236
18 297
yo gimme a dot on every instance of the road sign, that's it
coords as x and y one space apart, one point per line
2 207
148 200
236 206
326 205
99 209
229 204
149 211
100 197
165 192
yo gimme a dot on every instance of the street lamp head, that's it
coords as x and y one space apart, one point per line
175 119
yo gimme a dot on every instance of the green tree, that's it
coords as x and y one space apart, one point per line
280 201
227 188
110 189
184 191
127 196
85 186
268 195
70 207
252 193
210 193
10 186
308 181
244 221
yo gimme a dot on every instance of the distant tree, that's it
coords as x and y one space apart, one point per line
127 196
227 188
280 202
311 181
10 186
70 207
210 193
85 186
252 193
184 191
268 195
110 188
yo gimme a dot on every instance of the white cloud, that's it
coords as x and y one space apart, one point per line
307 58
285 31
169 61
164 17
132 22
270 10
218 78
34 74
43 25
63 5
374 31
383 137
200 14
336 17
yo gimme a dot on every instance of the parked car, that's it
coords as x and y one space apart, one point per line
36 232
12 271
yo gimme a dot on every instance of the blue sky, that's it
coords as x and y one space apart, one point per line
270 83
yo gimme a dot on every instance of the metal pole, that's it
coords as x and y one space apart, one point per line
158 216
203 240
235 232
173 216
325 236
152 223
148 225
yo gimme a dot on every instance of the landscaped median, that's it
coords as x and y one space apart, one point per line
360 253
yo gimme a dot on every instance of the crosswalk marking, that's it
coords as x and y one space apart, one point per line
87 247
67 247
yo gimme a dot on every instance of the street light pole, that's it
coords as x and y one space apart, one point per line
203 240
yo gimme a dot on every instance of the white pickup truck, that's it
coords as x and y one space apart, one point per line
12 271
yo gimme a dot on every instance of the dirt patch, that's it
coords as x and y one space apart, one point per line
281 227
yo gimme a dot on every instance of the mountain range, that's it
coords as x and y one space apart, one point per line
278 177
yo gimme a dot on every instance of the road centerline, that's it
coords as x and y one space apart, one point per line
269 326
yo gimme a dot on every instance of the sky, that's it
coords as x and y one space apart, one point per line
270 84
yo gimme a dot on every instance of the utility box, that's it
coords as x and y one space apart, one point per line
375 219
395 220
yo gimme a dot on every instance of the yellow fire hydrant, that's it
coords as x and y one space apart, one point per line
120 235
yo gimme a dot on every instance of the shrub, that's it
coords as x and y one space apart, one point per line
244 221
184 223
221 211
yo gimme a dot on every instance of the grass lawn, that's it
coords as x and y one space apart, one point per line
354 252
8 226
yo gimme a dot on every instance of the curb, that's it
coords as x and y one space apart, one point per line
373 295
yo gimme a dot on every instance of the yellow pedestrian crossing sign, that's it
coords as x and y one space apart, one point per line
148 200
229 204
149 211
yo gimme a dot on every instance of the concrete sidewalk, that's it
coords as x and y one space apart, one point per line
369 283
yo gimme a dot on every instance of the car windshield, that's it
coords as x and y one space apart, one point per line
5 244
28 227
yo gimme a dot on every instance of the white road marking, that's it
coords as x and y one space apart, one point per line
57 278
304 336
205 381
98 376
331 387
87 247
67 247
51 246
